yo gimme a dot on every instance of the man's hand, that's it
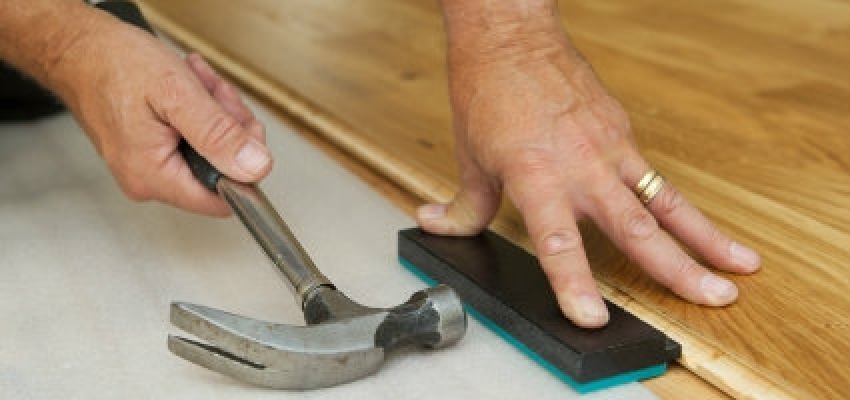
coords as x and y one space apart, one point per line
532 120
136 98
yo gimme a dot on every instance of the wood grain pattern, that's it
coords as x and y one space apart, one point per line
743 105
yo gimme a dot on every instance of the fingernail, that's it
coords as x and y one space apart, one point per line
744 256
719 291
592 311
253 157
432 211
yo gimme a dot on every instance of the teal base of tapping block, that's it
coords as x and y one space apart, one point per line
586 387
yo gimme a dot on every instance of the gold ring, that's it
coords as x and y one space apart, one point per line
649 186
652 189
644 181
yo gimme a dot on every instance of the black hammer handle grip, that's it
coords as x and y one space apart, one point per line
201 168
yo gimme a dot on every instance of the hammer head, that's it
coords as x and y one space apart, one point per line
342 342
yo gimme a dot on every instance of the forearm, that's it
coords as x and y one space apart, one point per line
483 31
39 37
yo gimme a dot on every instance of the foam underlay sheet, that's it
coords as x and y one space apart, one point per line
86 278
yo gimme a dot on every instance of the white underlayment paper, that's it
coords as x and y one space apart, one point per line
86 278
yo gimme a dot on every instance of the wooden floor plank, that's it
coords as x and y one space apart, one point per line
743 104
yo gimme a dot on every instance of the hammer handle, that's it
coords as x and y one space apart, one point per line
265 224
247 201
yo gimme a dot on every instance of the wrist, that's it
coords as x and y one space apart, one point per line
44 38
67 57
477 12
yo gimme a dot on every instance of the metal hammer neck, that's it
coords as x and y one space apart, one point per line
274 236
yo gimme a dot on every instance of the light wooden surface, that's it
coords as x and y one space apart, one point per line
742 104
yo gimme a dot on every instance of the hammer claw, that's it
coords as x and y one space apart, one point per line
294 378
206 355
276 355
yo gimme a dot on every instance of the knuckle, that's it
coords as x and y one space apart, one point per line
683 267
135 190
130 184
669 201
583 151
599 187
222 128
530 161
713 235
560 242
639 224
172 91
618 116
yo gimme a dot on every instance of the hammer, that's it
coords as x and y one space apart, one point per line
343 340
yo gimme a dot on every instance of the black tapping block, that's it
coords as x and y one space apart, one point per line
506 285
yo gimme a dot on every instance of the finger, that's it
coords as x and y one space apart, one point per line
167 178
256 130
468 213
624 219
221 90
187 193
185 104
551 225
688 224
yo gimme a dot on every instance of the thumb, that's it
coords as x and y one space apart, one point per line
468 213
214 133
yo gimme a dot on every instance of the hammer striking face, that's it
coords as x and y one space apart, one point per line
343 341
